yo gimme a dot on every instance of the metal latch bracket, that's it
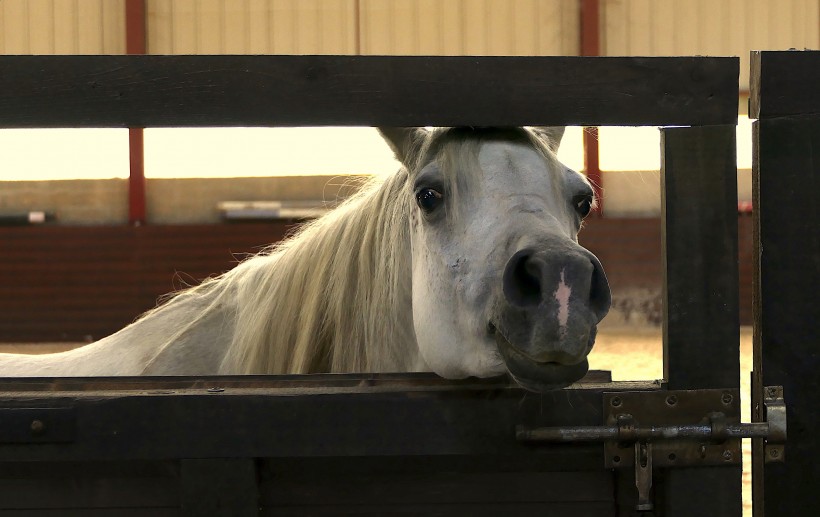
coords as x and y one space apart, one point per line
669 419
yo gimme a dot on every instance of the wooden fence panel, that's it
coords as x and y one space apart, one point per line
701 331
786 178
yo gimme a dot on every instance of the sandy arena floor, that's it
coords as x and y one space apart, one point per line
631 354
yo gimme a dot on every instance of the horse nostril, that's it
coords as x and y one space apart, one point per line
600 296
522 282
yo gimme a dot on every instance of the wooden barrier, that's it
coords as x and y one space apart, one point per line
786 176
397 443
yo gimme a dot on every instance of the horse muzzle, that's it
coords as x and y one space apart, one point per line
545 323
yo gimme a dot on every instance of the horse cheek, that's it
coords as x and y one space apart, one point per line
434 314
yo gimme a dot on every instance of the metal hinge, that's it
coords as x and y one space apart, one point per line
650 429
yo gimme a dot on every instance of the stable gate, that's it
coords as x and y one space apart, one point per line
408 443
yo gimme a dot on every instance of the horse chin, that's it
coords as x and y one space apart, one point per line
538 377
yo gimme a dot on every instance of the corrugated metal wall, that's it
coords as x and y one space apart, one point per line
252 26
475 27
514 27
708 27
471 27
62 26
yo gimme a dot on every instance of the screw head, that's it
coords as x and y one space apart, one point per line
616 401
727 455
774 392
37 426
671 400
727 398
774 453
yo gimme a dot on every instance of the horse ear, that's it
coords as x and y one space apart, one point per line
405 141
552 135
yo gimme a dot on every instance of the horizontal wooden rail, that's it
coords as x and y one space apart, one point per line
190 91
389 416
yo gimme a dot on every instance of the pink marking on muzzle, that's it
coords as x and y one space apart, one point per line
562 294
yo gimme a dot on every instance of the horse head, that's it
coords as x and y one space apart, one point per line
499 281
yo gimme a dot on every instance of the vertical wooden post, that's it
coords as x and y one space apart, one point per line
135 44
785 180
787 332
701 336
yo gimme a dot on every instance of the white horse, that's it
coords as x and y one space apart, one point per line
465 262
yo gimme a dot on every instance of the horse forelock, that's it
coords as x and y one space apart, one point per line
334 297
455 150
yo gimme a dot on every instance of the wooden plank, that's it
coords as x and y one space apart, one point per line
219 488
398 487
165 91
784 83
129 488
357 381
94 512
699 253
786 174
473 510
701 331
320 422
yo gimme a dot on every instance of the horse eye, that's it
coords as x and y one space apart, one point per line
583 205
428 199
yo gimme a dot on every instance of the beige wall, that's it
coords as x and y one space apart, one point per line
62 26
638 193
479 27
251 26
189 201
75 202
473 27
708 27
170 201
470 27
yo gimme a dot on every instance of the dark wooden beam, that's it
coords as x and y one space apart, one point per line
784 83
219 487
368 417
699 253
786 177
167 91
701 331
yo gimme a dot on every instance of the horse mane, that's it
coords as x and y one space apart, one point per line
336 296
